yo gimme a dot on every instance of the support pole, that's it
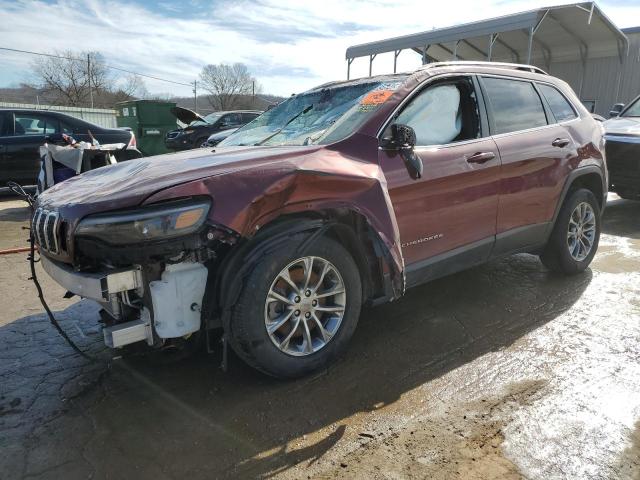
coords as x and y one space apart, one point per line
395 60
371 57
89 77
349 60
455 50
195 96
530 49
424 54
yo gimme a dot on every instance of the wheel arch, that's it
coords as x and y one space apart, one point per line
590 177
348 227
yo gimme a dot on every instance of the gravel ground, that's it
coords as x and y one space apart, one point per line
502 371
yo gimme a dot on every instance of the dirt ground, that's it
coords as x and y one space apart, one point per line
503 371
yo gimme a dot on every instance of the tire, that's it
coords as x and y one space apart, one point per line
557 255
247 326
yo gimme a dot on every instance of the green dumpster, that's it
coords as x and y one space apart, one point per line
150 120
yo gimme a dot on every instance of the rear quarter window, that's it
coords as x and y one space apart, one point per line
560 106
515 105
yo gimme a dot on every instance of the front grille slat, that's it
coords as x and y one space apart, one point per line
45 230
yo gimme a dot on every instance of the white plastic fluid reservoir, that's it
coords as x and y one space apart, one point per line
177 299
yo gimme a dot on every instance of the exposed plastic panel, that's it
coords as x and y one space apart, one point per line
177 299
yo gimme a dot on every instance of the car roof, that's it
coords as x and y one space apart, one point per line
458 66
38 111
237 111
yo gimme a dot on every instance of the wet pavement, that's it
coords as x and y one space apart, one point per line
502 371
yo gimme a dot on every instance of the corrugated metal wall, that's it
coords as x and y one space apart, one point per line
605 81
102 117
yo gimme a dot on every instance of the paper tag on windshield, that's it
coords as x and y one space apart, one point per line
376 97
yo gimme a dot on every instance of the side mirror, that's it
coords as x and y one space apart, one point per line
403 138
616 109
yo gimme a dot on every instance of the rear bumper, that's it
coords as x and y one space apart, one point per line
96 286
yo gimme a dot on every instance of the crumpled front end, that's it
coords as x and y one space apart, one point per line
150 290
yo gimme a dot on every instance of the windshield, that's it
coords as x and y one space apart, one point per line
210 119
633 110
319 116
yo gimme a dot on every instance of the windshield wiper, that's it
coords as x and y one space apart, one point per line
304 110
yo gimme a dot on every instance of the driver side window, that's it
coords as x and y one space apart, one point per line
443 113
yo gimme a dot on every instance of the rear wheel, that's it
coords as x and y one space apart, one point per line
576 233
297 311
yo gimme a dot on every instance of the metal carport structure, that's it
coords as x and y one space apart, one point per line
563 33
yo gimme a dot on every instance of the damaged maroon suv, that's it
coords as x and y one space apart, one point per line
344 195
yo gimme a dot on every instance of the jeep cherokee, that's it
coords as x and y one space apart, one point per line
346 194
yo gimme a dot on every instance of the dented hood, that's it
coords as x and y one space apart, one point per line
129 183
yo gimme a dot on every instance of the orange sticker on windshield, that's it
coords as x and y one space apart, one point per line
376 97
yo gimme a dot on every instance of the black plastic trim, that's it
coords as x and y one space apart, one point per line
449 262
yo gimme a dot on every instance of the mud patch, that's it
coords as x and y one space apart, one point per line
462 441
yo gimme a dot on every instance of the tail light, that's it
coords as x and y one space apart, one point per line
132 142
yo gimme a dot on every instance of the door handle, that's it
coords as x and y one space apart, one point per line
480 157
561 142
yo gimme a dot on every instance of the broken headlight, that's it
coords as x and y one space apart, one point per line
148 223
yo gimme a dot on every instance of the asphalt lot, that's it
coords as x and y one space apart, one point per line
503 371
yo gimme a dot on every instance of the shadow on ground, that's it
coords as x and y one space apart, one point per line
62 415
618 214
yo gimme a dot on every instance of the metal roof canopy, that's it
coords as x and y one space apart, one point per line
574 32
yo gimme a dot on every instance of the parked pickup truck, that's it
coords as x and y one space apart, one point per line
347 194
623 150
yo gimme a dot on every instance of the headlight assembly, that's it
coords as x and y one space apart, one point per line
145 224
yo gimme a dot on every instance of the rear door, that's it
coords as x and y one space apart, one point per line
447 218
535 152
21 155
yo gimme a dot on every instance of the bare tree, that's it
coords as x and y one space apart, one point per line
73 77
133 86
227 83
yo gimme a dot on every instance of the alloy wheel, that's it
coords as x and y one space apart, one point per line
581 233
305 306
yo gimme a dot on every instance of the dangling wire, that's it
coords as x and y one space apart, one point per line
19 191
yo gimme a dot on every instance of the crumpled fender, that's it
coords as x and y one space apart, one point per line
324 178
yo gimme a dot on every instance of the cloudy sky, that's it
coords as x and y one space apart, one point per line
289 45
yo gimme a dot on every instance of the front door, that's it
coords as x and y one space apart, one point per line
447 218
21 152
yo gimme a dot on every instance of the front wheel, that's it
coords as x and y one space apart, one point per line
297 311
575 236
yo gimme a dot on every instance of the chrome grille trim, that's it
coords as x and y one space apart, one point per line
45 230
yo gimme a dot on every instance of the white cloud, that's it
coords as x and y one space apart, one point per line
289 45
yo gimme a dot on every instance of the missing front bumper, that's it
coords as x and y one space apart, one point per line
96 286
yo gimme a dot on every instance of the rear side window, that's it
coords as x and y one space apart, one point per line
247 117
559 105
34 124
515 105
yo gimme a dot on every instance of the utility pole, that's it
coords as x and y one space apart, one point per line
89 74
195 96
